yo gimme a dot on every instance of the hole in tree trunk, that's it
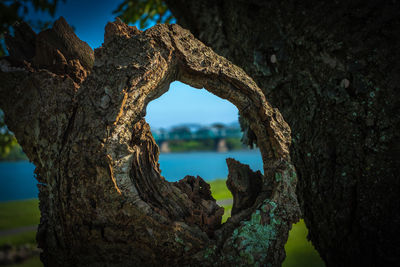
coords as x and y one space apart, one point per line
196 132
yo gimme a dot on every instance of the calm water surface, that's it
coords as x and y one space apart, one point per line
17 179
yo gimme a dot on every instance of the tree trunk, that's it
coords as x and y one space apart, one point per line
332 68
79 118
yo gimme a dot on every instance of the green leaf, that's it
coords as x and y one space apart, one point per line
144 12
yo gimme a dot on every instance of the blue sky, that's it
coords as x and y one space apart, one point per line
185 104
181 104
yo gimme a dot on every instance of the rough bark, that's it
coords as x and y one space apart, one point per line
332 68
243 189
103 201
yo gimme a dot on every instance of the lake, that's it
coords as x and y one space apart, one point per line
17 179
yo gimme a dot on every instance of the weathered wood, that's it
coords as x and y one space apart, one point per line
102 198
244 184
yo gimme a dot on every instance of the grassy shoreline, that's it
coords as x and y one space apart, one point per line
15 214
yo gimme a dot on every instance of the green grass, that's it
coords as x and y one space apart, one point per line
227 213
19 239
32 262
219 190
300 251
16 214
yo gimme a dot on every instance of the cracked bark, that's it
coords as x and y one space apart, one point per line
79 118
332 68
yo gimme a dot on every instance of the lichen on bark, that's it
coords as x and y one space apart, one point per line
102 197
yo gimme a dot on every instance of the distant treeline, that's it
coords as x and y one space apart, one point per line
203 145
13 153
